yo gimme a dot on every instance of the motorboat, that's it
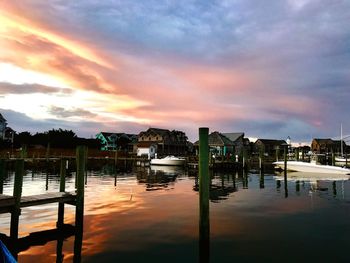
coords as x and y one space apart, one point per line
311 167
341 159
169 160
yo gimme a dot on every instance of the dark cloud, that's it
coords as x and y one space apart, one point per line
9 88
75 112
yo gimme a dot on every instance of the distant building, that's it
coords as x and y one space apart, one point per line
161 142
117 141
327 146
219 144
269 146
6 133
239 142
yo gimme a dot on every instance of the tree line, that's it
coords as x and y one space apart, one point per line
54 138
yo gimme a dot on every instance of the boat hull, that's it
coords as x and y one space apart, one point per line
168 161
341 160
312 168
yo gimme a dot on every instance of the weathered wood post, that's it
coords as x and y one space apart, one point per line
334 184
262 179
333 159
285 159
60 220
297 186
245 157
261 158
79 210
2 174
297 154
303 155
86 159
204 182
285 171
115 158
17 193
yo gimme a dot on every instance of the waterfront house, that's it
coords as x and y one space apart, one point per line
321 146
268 146
161 142
117 141
238 140
219 144
6 133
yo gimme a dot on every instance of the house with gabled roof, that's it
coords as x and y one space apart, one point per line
161 142
219 144
238 140
269 146
117 141
327 145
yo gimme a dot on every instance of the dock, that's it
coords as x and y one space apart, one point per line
13 203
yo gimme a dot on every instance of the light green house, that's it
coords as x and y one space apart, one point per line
116 141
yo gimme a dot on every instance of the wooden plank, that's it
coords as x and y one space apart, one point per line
6 203
6 200
41 199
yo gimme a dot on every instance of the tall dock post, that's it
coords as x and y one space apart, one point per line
2 174
60 220
17 193
297 154
79 212
285 160
204 181
285 171
261 158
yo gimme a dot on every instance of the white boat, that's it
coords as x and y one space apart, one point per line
169 160
311 167
341 159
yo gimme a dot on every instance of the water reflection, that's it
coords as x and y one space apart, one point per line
40 238
158 177
222 185
156 224
316 182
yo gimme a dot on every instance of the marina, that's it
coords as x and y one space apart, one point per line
154 212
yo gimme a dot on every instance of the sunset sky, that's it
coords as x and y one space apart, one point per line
271 69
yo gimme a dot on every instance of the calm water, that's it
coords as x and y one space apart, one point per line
150 215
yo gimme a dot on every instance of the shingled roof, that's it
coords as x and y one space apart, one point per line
217 139
233 136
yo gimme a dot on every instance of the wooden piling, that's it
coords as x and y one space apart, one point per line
17 193
204 182
285 160
60 220
2 174
297 154
79 212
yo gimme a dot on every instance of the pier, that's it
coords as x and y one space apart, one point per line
13 204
